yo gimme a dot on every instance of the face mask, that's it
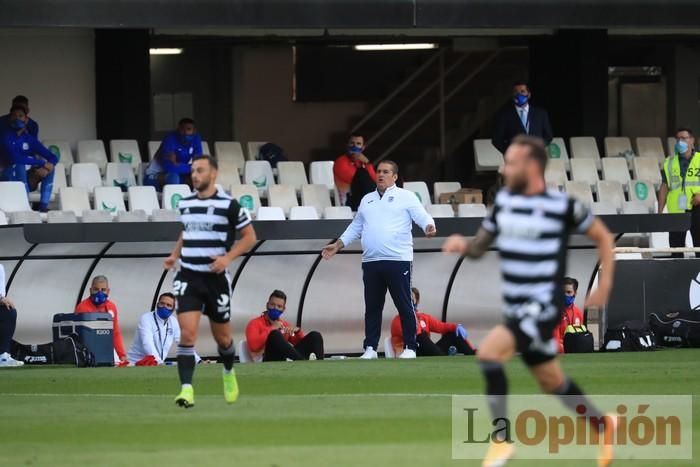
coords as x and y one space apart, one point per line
681 147
520 100
569 299
18 124
274 314
98 298
354 150
189 138
164 313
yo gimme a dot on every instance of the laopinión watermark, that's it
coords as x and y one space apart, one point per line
542 427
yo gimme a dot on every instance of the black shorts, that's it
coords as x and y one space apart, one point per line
202 291
533 331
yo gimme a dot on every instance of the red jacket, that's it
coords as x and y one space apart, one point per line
344 170
259 328
424 323
86 306
571 315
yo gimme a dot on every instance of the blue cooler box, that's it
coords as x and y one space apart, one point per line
95 331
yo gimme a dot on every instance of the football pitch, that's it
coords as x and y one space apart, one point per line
323 413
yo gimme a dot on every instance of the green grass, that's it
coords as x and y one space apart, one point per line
325 413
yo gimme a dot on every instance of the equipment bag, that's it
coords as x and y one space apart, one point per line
676 328
632 336
577 339
35 354
69 350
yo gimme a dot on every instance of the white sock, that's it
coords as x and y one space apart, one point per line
185 386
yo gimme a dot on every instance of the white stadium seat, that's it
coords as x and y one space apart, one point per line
650 147
25 217
617 146
153 149
132 216
584 170
143 198
647 168
555 173
321 173
94 216
3 218
110 199
229 173
635 207
440 210
283 196
61 217
62 150
604 208
272 213
247 196
471 210
85 175
557 151
316 196
259 173
13 197
165 215
643 191
205 149
292 173
172 194
337 212
231 151
444 187
611 191
125 151
486 156
670 146
585 147
243 352
93 150
75 199
119 174
298 213
421 191
254 149
616 169
580 190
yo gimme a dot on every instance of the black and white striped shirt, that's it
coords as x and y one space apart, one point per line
209 228
532 233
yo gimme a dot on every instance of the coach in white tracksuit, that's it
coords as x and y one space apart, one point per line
384 221
156 332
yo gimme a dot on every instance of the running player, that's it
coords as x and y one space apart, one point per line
205 249
531 226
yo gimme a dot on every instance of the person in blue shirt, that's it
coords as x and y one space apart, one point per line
18 148
172 163
32 125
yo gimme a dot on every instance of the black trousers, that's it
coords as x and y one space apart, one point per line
428 348
8 323
677 239
278 349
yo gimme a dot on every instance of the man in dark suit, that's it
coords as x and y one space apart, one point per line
519 117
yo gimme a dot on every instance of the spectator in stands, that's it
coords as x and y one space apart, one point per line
18 149
572 315
453 334
155 334
32 126
680 189
354 174
8 322
270 338
98 302
172 163
519 117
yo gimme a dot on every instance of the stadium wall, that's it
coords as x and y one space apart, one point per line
56 70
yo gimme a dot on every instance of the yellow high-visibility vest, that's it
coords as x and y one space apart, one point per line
677 186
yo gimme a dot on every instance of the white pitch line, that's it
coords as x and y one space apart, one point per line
252 396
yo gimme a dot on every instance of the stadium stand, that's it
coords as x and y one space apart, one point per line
555 173
611 191
643 192
557 151
471 210
585 147
143 198
254 149
165 215
3 218
321 173
61 217
132 216
93 150
421 191
300 213
647 168
337 212
580 190
617 146
486 156
229 173
152 149
670 145
292 173
172 195
110 199
650 147
205 148
119 174
13 197
440 210
95 215
248 197
283 196
316 196
259 173
62 150
616 169
230 151
603 208
125 151
634 207
85 175
59 181
74 199
25 217
584 170
270 213
444 187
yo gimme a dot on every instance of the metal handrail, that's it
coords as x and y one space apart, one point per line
396 91
435 108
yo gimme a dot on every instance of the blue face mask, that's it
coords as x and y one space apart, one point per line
354 149
520 100
98 298
188 138
18 124
569 299
681 147
274 314
164 313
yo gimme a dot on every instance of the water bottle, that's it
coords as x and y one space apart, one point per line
452 351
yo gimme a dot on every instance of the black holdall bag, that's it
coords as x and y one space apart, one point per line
32 354
577 339
69 350
676 328
632 336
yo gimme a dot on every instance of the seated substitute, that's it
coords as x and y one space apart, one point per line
572 315
98 302
172 163
354 173
270 338
8 322
32 125
18 149
453 335
155 334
